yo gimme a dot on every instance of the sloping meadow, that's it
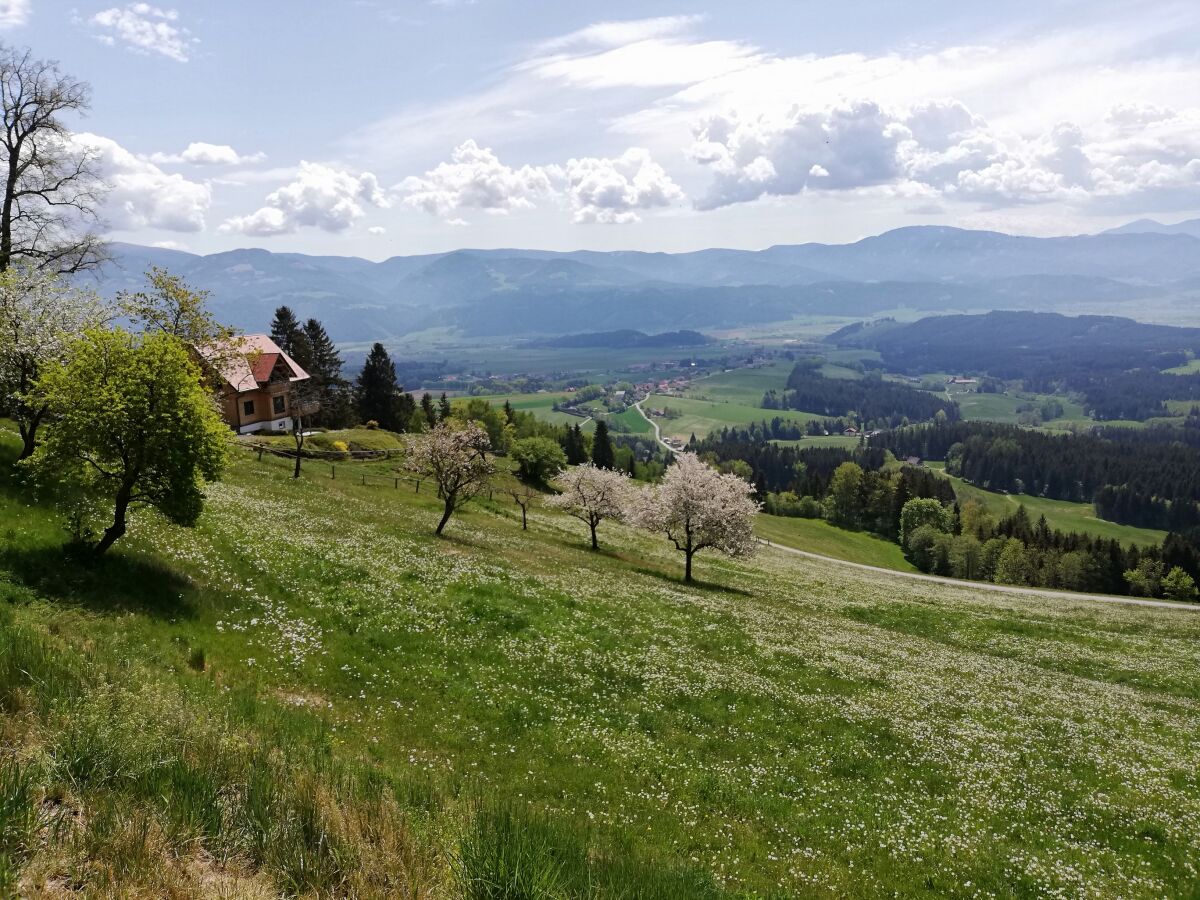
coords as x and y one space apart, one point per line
515 707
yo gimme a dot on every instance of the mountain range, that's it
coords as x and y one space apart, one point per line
532 292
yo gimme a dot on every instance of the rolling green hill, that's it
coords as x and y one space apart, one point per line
309 694
1060 514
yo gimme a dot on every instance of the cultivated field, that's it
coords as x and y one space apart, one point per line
311 694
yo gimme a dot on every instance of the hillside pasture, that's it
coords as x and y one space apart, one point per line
1060 514
348 704
699 417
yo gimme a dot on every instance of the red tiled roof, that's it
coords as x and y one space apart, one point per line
251 362
262 365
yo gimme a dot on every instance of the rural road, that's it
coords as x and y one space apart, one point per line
988 586
654 425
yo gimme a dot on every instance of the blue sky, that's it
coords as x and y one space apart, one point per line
382 127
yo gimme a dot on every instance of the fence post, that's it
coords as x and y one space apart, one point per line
364 479
397 484
333 472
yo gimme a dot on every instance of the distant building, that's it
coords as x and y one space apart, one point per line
257 377
913 461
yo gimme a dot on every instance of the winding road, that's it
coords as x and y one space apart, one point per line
654 425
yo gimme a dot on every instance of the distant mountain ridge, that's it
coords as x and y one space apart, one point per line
537 292
1151 226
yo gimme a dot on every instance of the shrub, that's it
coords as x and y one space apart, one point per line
372 425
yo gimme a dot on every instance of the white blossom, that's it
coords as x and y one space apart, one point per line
592 495
698 508
454 457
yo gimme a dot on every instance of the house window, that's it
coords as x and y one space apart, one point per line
248 407
278 404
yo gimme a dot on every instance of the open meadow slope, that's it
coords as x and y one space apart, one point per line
309 693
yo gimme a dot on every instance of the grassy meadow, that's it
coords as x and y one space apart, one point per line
699 417
310 695
818 536
1061 514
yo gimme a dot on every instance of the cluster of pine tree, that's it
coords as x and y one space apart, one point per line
1134 477
871 401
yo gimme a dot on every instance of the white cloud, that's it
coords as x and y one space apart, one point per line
199 153
141 195
14 13
474 179
612 191
619 33
320 197
847 146
376 230
145 29
600 190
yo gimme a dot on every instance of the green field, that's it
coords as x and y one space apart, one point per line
744 386
699 417
1003 408
310 695
1191 367
1061 514
818 536
541 405
630 421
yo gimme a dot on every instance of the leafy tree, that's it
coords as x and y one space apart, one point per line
492 419
538 458
133 426
921 547
1179 585
1014 565
922 511
39 317
602 448
454 457
845 495
1146 579
378 391
976 520
966 555
52 185
699 508
169 306
592 494
445 411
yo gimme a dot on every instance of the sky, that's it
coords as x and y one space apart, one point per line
377 128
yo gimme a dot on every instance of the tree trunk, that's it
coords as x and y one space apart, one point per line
29 431
524 524
595 545
687 567
117 528
449 510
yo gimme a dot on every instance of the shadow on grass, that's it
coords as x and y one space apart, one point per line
115 582
676 579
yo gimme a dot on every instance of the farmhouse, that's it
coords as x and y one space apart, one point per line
256 381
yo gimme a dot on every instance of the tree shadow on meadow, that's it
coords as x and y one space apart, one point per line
675 578
116 582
